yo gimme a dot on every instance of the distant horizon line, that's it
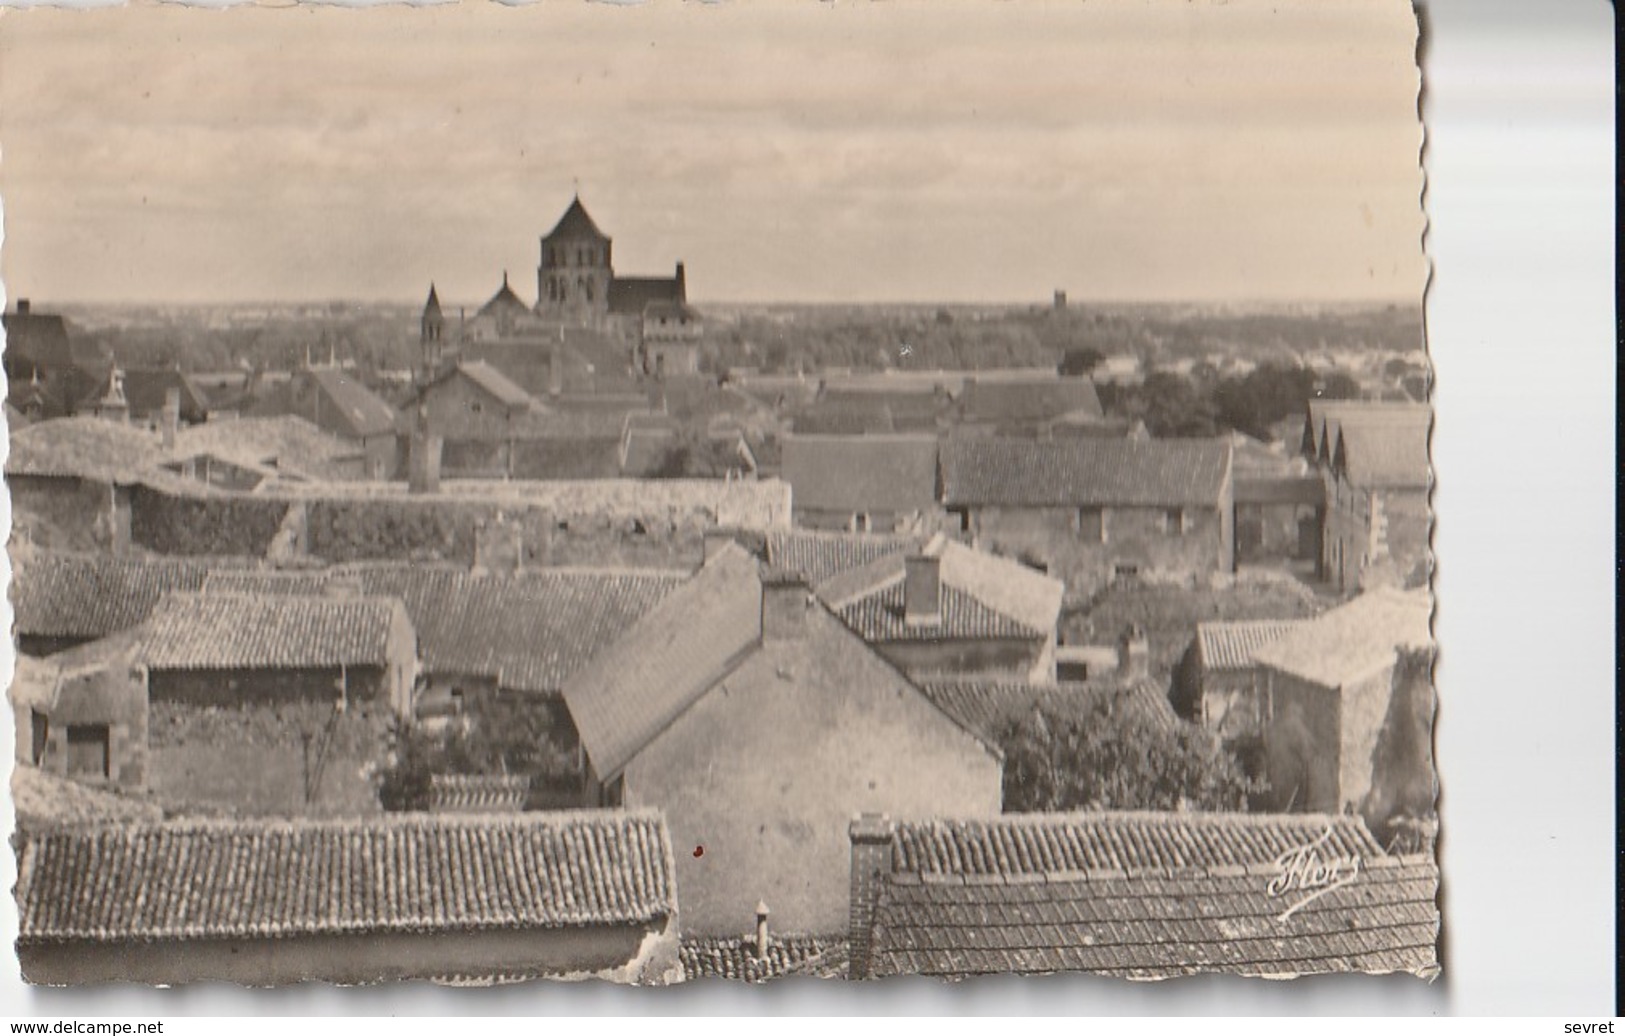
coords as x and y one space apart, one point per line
1032 303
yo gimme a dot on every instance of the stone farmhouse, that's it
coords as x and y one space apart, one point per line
758 723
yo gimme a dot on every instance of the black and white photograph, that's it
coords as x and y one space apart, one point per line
707 492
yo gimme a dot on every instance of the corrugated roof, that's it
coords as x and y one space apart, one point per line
1084 472
674 654
278 631
1230 645
1353 640
412 873
862 473
1027 844
1385 920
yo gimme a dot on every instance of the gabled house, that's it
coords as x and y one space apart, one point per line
57 368
335 400
945 609
148 389
86 722
1093 510
1221 685
1375 462
479 414
483 898
863 483
1137 895
1334 707
757 722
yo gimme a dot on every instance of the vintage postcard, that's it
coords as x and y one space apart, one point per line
681 491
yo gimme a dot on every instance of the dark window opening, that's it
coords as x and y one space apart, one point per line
89 750
42 735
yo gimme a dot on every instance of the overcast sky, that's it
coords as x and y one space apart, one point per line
961 151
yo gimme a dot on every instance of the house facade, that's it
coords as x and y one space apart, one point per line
1090 511
86 723
1374 460
757 722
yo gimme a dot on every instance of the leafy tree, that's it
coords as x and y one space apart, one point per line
1080 362
1339 385
1265 395
497 733
1102 755
1170 406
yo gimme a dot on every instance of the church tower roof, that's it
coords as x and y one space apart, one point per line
431 308
575 223
505 298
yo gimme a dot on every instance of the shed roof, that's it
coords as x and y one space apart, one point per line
1386 920
1355 639
861 473
1084 472
84 447
421 873
242 631
674 654
1231 645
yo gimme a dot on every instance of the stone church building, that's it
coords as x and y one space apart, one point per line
576 282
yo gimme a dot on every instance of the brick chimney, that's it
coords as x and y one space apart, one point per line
761 930
871 835
423 456
1133 655
922 590
682 282
555 367
785 602
23 307
170 421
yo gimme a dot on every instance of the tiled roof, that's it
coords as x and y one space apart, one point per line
733 957
637 686
1230 645
1085 472
1326 417
879 616
982 596
1386 920
504 301
529 632
861 473
630 295
477 793
83 447
1285 489
239 631
820 555
1373 456
986 706
286 442
1037 400
91 595
145 389
1355 639
1028 844
496 384
575 223
360 409
410 873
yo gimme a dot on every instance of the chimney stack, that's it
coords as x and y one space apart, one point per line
871 835
555 368
23 307
785 602
423 457
761 930
171 420
922 590
1133 656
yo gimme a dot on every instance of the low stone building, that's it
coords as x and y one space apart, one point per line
1331 701
1221 684
335 400
863 483
270 902
1089 511
757 722
1136 895
85 721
